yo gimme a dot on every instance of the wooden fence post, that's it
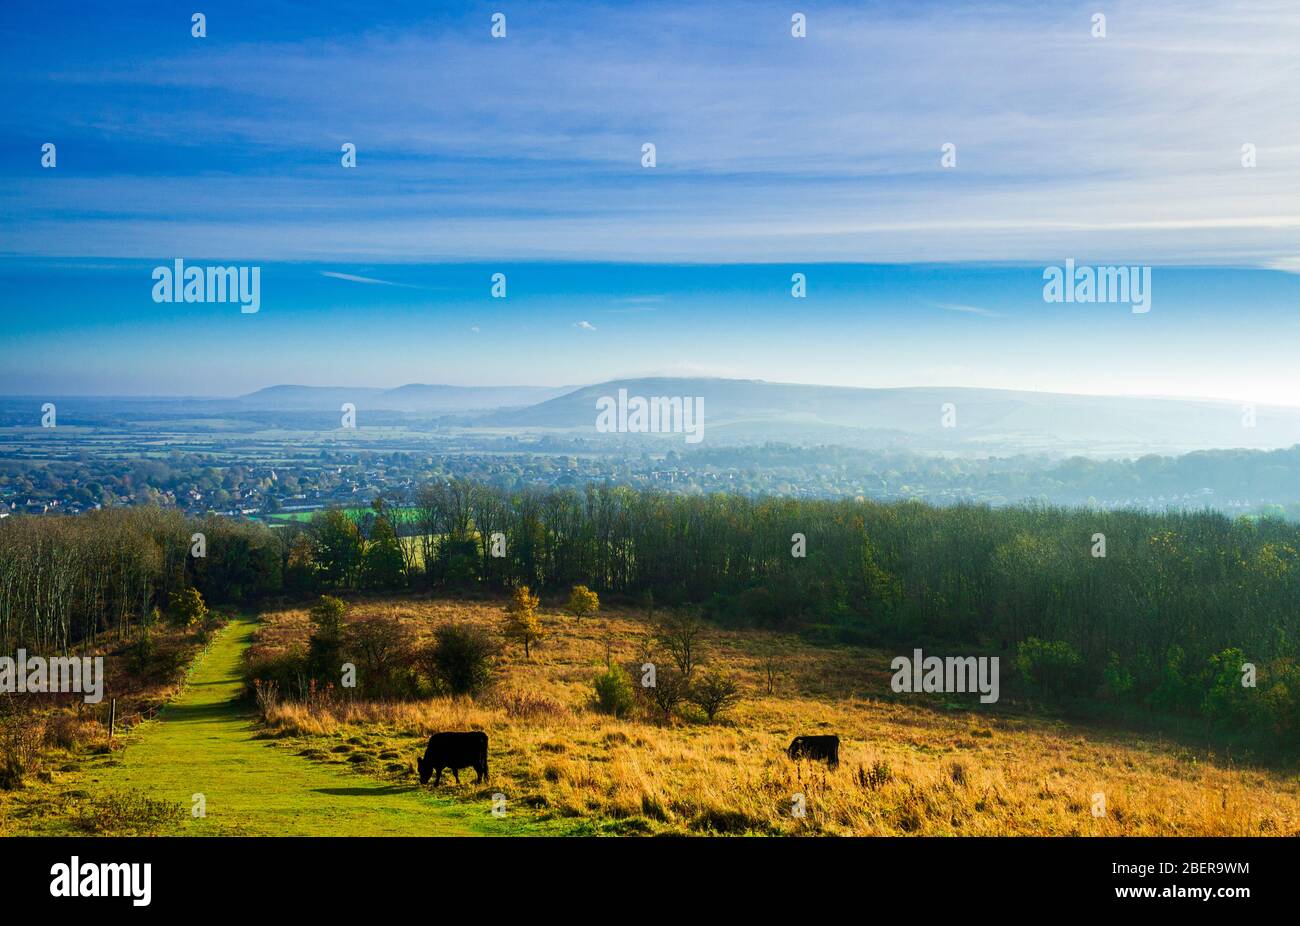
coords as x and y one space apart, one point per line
112 718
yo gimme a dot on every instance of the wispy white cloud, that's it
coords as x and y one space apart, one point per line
967 309
632 309
585 326
353 278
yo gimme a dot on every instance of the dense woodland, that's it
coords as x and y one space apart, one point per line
1165 619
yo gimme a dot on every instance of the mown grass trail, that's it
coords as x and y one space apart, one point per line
205 743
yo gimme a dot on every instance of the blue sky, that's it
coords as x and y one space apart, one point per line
775 154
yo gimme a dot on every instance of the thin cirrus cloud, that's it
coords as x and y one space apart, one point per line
967 309
354 278
769 148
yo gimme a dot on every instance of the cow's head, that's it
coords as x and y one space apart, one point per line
426 769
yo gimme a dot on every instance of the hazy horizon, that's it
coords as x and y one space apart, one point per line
91 328
572 387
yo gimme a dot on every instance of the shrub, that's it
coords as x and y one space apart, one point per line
1227 700
170 662
127 812
1116 681
879 775
613 692
669 690
761 607
187 607
287 671
327 616
460 659
141 652
382 646
211 623
1280 703
1049 666
267 694
21 738
714 694
62 730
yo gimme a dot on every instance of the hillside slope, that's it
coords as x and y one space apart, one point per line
910 764
1001 421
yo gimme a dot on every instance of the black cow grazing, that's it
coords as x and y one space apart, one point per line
454 751
816 747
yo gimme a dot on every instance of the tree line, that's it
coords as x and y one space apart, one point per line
68 579
1138 606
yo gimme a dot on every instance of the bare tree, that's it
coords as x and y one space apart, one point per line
489 517
771 666
427 519
682 635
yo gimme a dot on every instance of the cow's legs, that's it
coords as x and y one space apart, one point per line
456 774
437 778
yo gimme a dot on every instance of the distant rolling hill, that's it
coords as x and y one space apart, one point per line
986 420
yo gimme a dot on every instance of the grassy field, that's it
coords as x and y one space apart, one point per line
305 516
909 765
207 743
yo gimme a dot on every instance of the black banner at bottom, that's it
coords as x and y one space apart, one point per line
168 875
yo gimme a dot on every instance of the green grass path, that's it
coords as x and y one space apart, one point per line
204 742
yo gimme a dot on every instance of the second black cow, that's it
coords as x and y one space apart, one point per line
825 748
454 751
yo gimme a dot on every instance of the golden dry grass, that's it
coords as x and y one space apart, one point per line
907 766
